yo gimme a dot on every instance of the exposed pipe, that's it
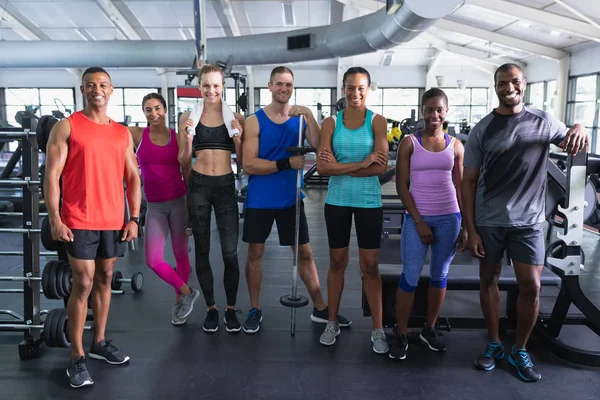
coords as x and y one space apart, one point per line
377 31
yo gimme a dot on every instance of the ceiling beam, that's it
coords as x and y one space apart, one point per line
577 13
473 54
118 19
510 41
569 25
16 25
363 5
435 60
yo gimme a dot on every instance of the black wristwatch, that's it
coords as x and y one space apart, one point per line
135 219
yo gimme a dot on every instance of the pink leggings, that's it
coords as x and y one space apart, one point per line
160 219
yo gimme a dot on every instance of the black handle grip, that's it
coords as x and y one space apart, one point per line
301 150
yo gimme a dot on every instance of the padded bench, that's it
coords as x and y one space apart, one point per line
463 277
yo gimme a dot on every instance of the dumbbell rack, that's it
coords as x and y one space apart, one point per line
31 241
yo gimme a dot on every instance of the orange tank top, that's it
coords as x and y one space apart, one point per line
92 180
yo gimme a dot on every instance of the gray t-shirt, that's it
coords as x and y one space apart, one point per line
511 152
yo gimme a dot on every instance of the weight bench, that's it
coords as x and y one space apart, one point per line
460 277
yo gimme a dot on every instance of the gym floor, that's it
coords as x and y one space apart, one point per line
185 362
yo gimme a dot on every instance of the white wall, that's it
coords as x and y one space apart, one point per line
586 61
541 69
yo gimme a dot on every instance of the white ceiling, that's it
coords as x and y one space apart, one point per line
173 20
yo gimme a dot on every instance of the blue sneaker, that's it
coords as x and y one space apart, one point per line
487 361
252 324
522 362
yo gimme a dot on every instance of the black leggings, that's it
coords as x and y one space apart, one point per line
204 192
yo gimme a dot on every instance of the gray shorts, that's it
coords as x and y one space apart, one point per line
522 244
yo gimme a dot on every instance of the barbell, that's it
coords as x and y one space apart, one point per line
54 328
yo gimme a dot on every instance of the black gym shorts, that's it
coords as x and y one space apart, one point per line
368 224
87 245
259 221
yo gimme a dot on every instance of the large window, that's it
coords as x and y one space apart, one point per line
394 103
127 102
541 95
39 101
305 97
583 107
468 105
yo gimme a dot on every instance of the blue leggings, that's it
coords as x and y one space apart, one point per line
445 230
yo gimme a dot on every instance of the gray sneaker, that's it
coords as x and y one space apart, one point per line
331 331
380 345
78 373
187 303
175 320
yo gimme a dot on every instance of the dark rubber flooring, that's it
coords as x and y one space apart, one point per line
169 362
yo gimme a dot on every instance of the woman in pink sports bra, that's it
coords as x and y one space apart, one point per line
428 178
165 191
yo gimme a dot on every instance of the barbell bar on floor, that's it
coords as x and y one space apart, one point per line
54 329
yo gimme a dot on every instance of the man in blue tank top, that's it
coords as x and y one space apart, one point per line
271 194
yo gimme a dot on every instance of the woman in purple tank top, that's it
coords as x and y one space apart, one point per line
165 190
428 175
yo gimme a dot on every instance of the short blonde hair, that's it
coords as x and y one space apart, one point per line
207 68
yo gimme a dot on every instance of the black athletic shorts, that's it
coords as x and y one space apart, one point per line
258 223
87 245
368 225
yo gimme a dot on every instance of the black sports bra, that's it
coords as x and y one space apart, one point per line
212 138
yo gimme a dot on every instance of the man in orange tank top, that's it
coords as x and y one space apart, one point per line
92 155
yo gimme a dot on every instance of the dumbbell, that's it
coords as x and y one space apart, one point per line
136 281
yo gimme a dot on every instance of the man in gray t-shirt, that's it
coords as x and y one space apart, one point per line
504 194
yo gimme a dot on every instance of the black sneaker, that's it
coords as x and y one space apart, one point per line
78 373
522 362
434 339
399 348
487 361
322 317
211 323
104 350
231 322
252 324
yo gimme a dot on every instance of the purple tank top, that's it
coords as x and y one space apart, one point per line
431 182
160 168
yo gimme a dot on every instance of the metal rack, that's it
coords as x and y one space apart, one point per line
31 317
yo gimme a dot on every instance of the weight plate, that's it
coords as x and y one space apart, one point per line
116 280
60 334
67 276
46 234
59 271
45 273
137 281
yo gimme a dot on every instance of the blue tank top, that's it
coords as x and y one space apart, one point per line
276 190
353 146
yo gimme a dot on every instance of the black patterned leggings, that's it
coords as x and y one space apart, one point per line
218 192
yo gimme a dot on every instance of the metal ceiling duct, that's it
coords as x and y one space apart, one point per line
377 31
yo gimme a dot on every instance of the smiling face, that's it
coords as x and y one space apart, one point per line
356 89
510 88
282 87
155 112
211 86
97 89
434 113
